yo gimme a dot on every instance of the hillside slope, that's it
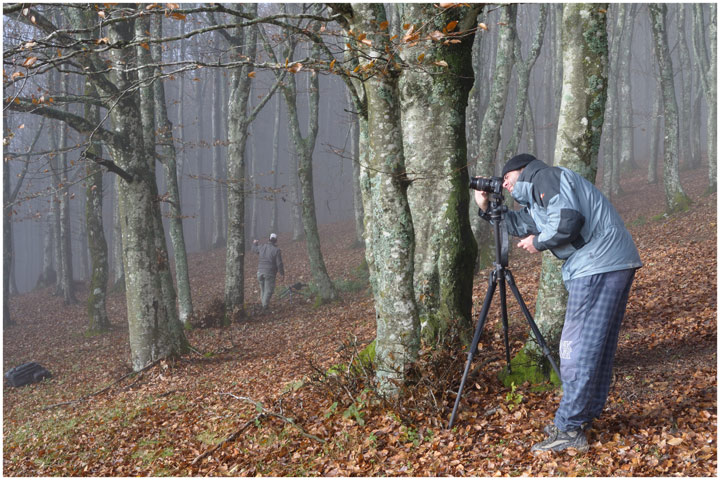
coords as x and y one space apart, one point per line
258 383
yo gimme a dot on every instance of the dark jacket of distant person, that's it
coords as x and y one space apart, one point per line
270 258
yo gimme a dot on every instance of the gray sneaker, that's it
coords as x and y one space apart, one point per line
550 428
558 440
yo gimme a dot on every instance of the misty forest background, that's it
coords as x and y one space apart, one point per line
135 134
146 145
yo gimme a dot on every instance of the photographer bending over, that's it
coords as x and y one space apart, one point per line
564 213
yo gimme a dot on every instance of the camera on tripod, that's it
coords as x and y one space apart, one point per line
490 185
499 278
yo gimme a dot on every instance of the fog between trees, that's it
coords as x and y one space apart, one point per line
198 59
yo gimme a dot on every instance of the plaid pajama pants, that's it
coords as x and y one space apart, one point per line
595 309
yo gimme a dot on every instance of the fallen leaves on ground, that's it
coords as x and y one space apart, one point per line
255 391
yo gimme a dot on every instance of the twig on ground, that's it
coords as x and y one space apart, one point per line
196 351
229 439
104 389
269 413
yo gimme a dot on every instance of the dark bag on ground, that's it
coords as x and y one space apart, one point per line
26 373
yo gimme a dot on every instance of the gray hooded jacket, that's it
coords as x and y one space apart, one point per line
572 219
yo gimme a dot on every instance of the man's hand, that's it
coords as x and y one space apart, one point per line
481 198
527 244
255 242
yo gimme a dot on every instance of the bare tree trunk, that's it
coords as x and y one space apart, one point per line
154 329
438 196
66 276
47 273
274 227
97 291
523 68
239 119
708 68
218 237
118 280
181 100
252 184
530 128
473 113
696 124
626 157
389 230
7 236
237 186
295 197
584 46
655 134
200 221
557 77
357 193
304 148
611 153
492 124
684 80
55 169
168 158
675 197
492 121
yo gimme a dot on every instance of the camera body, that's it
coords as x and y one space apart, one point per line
490 185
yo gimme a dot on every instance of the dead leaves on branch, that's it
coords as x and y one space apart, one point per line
413 36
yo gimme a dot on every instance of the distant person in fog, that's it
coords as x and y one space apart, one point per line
269 265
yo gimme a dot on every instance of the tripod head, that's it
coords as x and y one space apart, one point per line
497 212
493 187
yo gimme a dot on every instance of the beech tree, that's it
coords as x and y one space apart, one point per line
155 331
584 91
436 164
239 119
304 147
164 129
708 75
389 236
10 195
675 197
406 95
219 103
611 160
524 67
97 312
492 121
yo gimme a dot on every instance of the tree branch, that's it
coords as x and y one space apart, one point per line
77 122
109 164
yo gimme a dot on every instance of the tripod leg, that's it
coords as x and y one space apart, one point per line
531 322
503 312
476 339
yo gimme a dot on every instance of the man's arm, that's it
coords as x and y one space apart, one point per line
279 263
565 221
520 223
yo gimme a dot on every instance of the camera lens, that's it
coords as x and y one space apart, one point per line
490 185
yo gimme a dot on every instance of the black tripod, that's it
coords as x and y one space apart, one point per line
499 276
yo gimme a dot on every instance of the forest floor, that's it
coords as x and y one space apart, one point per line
253 399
